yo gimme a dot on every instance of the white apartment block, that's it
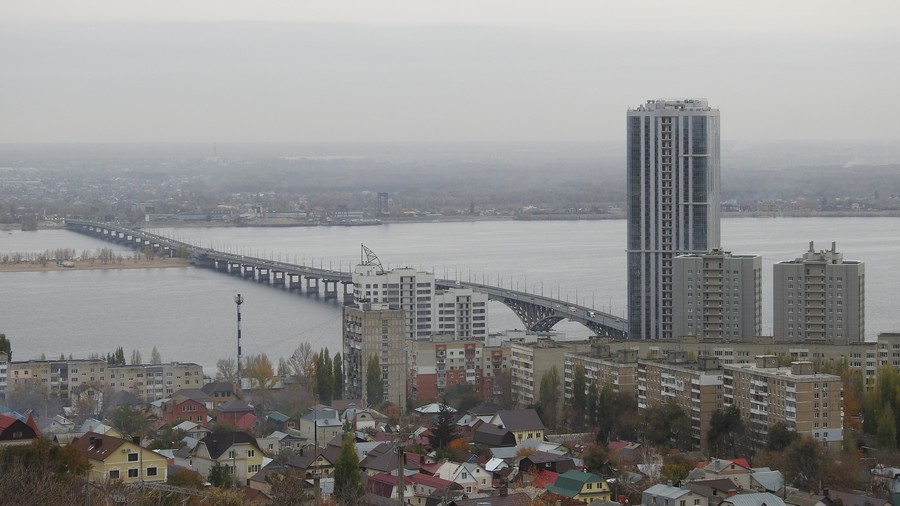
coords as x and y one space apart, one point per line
406 288
819 297
718 295
805 401
4 368
460 313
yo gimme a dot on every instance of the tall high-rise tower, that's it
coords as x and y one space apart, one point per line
673 203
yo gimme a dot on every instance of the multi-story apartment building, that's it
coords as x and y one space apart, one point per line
805 401
528 362
673 186
461 313
4 368
718 295
696 387
406 288
444 362
379 329
149 382
820 297
827 357
152 382
603 367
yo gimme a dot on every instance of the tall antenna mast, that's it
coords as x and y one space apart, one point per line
238 300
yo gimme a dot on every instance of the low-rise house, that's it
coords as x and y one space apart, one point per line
580 486
278 441
493 436
359 418
193 429
757 499
715 490
59 425
237 413
281 422
524 423
425 486
114 458
320 425
667 495
540 461
189 405
16 430
236 450
838 498
221 392
473 477
386 485
735 470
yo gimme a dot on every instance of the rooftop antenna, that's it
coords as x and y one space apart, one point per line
238 300
368 257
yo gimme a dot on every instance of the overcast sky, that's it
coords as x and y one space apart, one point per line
417 70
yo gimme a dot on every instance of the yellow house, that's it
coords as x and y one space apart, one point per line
581 486
238 451
113 458
523 423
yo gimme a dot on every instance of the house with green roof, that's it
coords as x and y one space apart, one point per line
581 486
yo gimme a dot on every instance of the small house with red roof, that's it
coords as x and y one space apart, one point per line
17 430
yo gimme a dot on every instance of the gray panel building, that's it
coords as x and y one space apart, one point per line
673 185
718 295
820 297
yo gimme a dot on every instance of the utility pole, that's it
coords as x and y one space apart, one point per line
238 300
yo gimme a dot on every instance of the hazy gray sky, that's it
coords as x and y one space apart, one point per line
398 70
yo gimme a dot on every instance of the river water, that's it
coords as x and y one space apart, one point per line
189 313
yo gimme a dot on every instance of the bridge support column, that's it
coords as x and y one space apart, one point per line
248 271
348 292
295 282
222 265
234 268
312 285
262 274
277 278
330 288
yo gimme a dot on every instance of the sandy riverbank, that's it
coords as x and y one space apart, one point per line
128 263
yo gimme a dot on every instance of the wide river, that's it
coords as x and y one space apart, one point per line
189 313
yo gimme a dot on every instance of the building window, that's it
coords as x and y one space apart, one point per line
113 474
151 471
133 473
132 457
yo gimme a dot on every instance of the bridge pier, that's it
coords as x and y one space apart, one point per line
295 282
330 288
277 278
312 285
234 268
262 274
248 271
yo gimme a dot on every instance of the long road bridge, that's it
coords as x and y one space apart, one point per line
537 312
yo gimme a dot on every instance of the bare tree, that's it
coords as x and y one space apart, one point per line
226 370
303 362
155 357
136 357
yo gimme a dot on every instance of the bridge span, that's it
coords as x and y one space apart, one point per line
538 313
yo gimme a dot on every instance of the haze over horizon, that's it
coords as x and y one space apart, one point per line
407 71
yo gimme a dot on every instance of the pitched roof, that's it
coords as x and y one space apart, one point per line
520 419
758 499
218 386
235 406
492 435
571 482
97 446
219 442
485 408
194 394
433 482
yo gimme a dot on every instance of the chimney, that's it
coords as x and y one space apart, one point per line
811 250
833 247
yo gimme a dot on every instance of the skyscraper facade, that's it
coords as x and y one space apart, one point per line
673 185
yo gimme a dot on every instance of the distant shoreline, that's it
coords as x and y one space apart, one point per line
96 265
